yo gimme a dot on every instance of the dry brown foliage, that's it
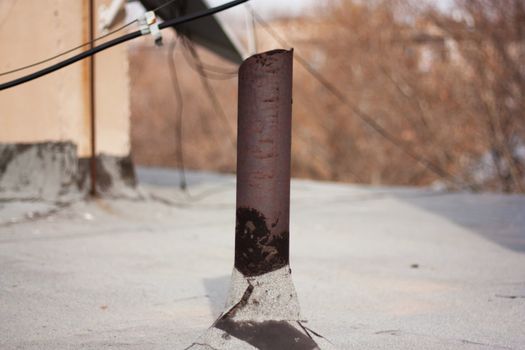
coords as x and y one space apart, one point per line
448 87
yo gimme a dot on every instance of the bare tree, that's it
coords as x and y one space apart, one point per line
443 94
490 40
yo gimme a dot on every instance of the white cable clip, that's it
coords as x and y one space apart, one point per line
148 25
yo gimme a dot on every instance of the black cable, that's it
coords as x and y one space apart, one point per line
67 51
117 41
442 173
81 45
70 60
178 113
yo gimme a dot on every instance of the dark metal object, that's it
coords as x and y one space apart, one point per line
92 98
113 42
208 31
263 204
263 163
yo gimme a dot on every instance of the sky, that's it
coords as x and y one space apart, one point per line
270 8
266 8
238 16
295 7
276 7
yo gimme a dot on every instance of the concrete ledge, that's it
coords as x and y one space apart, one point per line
52 171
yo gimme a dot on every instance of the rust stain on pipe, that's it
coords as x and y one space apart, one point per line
263 163
92 100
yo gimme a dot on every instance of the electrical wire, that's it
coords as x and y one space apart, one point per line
440 172
178 114
89 43
201 68
169 2
211 69
212 72
68 51
213 97
117 41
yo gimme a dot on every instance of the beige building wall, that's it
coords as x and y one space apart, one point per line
57 106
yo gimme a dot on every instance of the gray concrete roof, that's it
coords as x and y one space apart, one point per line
374 268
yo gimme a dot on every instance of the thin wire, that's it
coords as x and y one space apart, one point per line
178 113
205 66
442 173
68 51
91 42
225 75
199 68
163 5
212 96
119 40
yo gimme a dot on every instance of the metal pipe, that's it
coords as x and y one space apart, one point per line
262 309
263 163
92 102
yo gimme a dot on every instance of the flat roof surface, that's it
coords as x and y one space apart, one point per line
374 268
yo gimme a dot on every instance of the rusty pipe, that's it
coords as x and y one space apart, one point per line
262 236
92 103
